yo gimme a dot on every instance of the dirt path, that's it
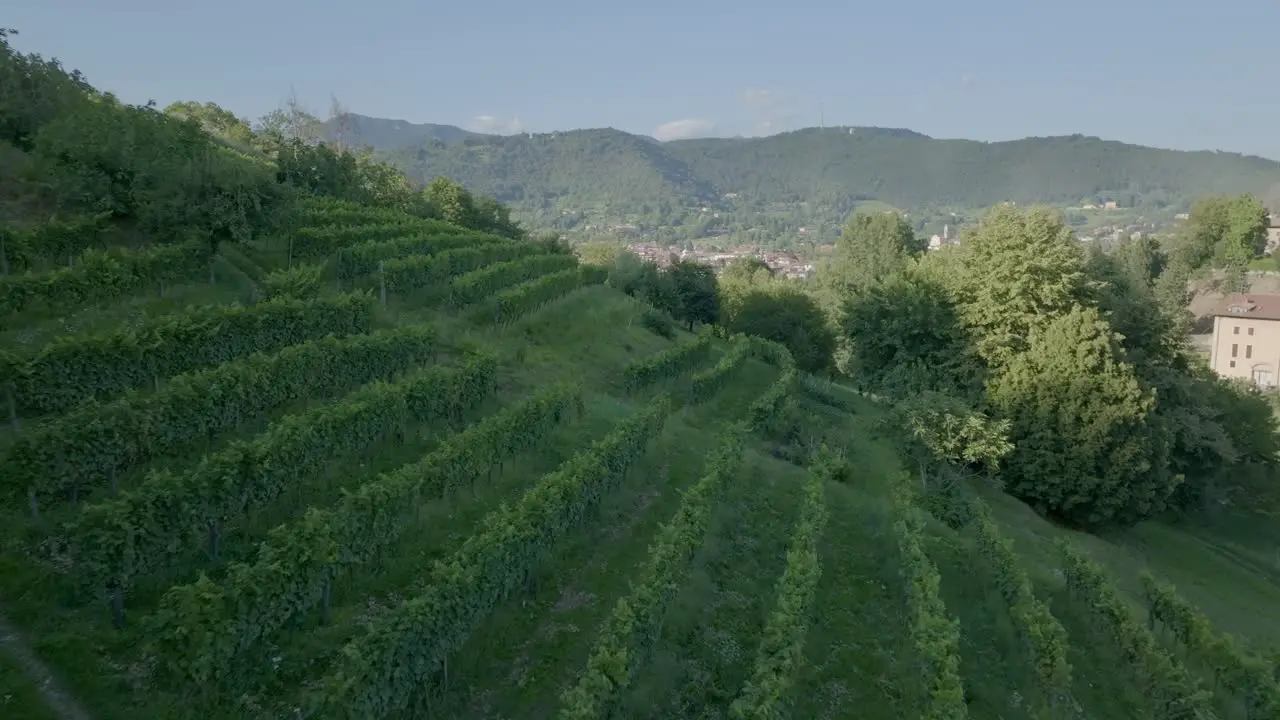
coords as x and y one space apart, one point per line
49 687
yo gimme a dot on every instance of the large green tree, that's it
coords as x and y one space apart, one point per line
1016 271
1086 447
872 247
905 336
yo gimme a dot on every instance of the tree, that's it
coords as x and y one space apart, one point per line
872 246
1086 449
1017 271
342 126
905 336
784 313
941 428
1228 231
214 120
695 290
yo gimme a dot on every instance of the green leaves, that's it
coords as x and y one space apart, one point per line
632 628
357 260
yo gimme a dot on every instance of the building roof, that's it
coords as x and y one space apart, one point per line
1257 306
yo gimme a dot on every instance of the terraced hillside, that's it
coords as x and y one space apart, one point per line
386 467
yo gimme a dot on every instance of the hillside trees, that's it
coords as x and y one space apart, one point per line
1016 271
754 302
871 247
1085 446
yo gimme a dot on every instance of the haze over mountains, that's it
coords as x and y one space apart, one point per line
596 178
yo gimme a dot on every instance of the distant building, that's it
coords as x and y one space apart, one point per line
1246 338
1273 231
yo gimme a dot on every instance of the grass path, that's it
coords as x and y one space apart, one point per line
25 682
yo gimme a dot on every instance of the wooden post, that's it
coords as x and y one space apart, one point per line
382 282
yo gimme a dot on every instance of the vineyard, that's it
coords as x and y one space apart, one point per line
378 467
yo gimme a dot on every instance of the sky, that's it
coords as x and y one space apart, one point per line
1167 73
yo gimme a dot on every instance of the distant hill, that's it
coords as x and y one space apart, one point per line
588 179
384 134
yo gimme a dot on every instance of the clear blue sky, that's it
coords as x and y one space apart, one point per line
1170 73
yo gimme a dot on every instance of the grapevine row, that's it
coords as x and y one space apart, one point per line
934 633
774 353
636 621
1249 677
357 260
782 647
711 381
383 670
775 399
1042 632
668 363
150 528
203 627
55 239
316 243
417 272
512 303
100 366
97 276
486 281
1173 691
91 445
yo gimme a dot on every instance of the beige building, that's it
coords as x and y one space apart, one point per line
1273 232
1246 338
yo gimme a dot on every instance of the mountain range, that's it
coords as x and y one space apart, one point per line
605 180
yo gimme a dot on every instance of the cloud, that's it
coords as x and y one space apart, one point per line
495 125
681 129
770 110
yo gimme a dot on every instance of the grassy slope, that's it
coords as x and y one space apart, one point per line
856 652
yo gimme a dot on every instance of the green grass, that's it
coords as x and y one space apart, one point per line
857 661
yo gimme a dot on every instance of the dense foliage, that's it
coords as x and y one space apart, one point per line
1077 358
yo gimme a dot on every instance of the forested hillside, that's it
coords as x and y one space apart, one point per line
814 177
286 435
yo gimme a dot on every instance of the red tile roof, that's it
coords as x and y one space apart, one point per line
1257 306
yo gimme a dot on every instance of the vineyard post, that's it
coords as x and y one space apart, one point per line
382 282
289 261
34 504
14 420
4 255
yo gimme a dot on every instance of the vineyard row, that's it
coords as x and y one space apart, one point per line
100 366
203 627
90 446
1172 691
1034 622
382 671
98 275
782 647
635 624
152 527
935 635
